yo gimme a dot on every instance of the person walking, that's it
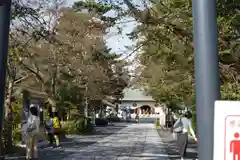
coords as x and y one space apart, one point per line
137 118
181 127
33 124
49 129
56 129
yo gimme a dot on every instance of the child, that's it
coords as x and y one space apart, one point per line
56 129
49 128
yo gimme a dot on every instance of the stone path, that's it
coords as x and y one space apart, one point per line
172 149
135 142
72 144
126 142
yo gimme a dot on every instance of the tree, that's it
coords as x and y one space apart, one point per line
79 51
65 52
173 59
173 19
113 67
14 73
166 46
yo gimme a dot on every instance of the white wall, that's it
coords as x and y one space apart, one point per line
157 109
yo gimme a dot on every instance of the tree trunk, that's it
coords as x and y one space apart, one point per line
50 92
8 99
52 103
94 117
86 112
52 98
8 124
86 107
101 112
69 113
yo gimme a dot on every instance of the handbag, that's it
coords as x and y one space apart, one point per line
32 124
179 127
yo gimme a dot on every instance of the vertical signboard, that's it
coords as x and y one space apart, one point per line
227 130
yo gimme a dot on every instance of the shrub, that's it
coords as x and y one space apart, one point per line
17 135
101 122
157 123
77 127
194 119
114 119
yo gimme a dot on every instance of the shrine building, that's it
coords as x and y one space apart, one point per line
137 101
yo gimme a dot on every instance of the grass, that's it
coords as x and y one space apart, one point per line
157 123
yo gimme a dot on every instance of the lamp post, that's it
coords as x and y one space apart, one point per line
5 9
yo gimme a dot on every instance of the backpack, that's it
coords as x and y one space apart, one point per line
56 123
32 124
49 124
179 127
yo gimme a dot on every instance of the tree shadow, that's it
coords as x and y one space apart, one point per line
70 144
119 147
117 151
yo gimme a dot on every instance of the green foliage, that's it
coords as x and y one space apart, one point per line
90 6
65 58
20 10
99 8
71 65
17 111
157 123
101 122
194 119
77 126
113 119
167 49
13 126
16 135
68 99
175 106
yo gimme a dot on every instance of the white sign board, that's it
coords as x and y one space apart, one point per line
227 130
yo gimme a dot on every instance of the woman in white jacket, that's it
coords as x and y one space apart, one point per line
32 133
181 127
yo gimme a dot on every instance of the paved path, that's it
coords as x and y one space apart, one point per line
172 149
132 142
135 142
71 145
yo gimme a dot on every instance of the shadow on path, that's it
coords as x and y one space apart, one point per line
133 143
71 144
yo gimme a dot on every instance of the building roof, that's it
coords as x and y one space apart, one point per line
132 94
